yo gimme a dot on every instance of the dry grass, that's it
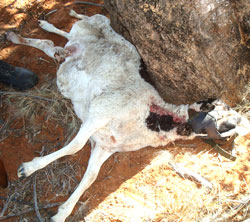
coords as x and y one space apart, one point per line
159 194
45 101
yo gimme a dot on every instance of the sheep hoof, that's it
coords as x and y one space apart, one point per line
21 171
44 24
12 37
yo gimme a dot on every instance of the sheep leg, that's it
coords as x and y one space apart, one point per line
51 28
47 46
97 158
78 16
74 146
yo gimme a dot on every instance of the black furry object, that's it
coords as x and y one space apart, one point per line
17 77
207 105
156 122
145 74
184 129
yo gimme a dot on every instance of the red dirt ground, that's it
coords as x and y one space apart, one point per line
22 16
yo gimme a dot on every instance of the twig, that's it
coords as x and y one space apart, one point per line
229 215
30 210
186 145
41 58
114 162
35 201
186 173
3 127
88 3
16 200
49 13
26 94
70 136
243 203
5 137
6 205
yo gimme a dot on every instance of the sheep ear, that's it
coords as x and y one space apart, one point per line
207 105
203 105
243 128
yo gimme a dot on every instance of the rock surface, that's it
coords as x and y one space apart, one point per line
192 49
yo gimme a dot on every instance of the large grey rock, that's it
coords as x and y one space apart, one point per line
192 49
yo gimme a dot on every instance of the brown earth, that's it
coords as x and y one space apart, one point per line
136 186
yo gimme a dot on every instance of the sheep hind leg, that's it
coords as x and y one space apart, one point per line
86 130
47 46
97 158
51 28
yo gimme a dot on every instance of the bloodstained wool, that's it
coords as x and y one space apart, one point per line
157 122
